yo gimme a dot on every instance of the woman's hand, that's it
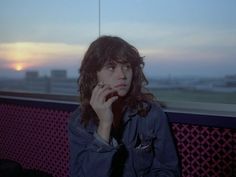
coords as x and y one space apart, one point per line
103 108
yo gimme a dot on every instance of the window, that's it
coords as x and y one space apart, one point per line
189 46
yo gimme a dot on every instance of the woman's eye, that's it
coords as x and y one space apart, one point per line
127 67
110 68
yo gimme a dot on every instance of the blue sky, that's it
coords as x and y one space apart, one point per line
177 37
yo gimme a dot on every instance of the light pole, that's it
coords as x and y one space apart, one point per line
99 18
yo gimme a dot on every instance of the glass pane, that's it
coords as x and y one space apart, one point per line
42 43
189 46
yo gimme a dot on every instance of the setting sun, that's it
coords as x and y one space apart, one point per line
18 67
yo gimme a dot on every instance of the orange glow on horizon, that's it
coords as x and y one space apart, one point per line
18 67
28 54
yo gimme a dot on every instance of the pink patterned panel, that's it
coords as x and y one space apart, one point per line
206 151
36 138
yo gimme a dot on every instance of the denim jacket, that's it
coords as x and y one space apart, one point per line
147 148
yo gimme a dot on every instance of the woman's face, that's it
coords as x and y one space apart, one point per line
116 75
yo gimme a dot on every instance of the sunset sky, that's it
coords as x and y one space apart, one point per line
177 37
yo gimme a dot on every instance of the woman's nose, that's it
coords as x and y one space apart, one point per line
120 73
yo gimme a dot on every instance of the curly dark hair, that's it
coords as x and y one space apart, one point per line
112 49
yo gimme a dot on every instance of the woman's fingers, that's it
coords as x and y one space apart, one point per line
101 103
100 93
105 94
111 100
96 91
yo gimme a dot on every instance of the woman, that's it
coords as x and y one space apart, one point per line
118 129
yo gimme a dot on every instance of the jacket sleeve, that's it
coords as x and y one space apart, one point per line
89 157
165 163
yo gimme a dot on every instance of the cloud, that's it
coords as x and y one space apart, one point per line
149 34
32 55
72 33
175 42
199 47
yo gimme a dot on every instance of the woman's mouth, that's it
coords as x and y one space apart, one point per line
120 86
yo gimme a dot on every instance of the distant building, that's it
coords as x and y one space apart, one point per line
60 84
58 74
230 81
31 75
63 86
34 83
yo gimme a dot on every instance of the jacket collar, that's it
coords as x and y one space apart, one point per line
129 113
